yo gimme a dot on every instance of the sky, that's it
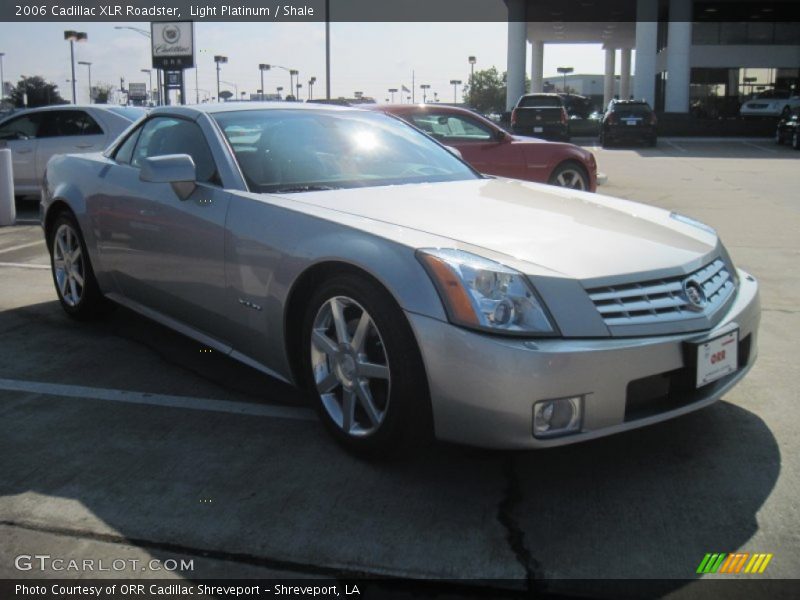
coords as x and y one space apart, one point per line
366 57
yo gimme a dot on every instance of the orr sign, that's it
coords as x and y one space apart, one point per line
172 45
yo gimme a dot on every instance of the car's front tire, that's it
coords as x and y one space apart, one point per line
73 276
362 365
570 175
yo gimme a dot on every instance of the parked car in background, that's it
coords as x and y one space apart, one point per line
344 251
772 103
629 121
541 115
579 113
788 129
35 135
492 150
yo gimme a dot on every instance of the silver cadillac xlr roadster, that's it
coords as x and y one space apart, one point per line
348 253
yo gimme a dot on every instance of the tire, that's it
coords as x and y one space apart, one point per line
796 140
381 378
653 141
778 137
571 175
787 110
73 276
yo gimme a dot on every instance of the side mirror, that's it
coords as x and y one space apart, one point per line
175 169
455 152
501 136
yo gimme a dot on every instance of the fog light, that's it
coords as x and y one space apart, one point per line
557 417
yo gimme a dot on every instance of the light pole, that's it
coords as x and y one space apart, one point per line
292 73
392 91
279 89
89 65
298 85
2 81
424 87
263 67
455 83
311 83
150 80
327 49
72 37
472 60
220 60
565 71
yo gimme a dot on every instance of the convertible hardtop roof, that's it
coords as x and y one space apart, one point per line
192 110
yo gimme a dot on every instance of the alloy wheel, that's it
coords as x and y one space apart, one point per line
570 178
350 366
69 265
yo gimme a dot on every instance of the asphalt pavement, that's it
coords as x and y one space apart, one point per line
120 439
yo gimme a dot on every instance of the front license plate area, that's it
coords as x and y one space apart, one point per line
538 129
714 358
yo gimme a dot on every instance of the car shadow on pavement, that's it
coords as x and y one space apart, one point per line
279 493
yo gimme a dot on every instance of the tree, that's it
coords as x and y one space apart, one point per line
39 91
101 92
488 92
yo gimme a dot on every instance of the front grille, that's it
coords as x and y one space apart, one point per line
663 300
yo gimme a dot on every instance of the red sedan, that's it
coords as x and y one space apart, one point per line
494 151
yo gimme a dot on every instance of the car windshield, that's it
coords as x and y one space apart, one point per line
131 113
540 102
291 150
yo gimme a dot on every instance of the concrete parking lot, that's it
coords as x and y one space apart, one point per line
120 438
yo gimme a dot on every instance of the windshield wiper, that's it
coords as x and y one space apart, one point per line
290 189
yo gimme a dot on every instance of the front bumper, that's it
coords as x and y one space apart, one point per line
483 387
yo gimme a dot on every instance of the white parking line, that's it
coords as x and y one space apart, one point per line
676 146
21 246
23 265
187 402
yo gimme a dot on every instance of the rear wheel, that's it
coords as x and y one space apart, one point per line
796 141
570 175
653 141
362 364
73 276
778 137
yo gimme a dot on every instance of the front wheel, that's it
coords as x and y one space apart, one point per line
73 276
570 175
363 366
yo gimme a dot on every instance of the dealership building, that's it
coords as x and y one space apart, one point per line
687 53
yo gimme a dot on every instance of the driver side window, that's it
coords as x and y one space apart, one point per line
452 127
167 135
25 127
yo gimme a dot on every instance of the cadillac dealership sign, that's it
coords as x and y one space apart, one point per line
173 45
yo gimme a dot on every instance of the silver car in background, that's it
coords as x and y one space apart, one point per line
34 136
346 252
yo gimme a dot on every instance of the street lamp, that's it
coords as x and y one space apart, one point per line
455 83
311 83
279 89
72 37
298 85
2 81
220 60
89 65
150 88
565 71
263 67
424 87
292 73
392 91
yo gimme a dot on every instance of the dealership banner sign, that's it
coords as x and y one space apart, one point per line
172 44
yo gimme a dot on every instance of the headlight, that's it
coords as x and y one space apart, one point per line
484 294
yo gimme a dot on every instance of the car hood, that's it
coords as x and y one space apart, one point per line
575 234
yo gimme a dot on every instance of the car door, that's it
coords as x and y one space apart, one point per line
20 135
477 142
67 131
164 253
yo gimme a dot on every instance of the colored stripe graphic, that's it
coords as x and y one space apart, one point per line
711 563
734 563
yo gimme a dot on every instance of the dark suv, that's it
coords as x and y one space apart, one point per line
630 121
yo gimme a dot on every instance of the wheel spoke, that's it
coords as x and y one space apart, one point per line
361 332
62 251
337 310
372 370
561 181
328 383
348 410
76 254
323 343
73 290
58 263
77 277
62 285
365 399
